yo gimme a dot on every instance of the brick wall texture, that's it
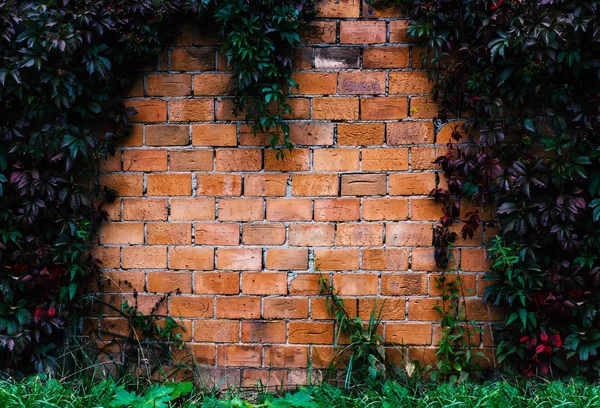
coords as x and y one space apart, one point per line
206 212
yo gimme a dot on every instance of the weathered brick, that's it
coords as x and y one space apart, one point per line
363 234
406 184
168 85
191 160
216 283
287 259
409 83
148 110
404 284
239 259
424 209
310 332
122 233
408 333
191 110
127 185
192 209
335 108
260 331
289 209
360 134
423 309
337 58
192 59
386 57
204 134
311 234
306 283
406 133
356 284
339 8
385 259
286 356
238 307
261 185
336 159
227 110
422 157
217 234
362 32
169 184
361 83
216 331
315 185
388 108
167 135
337 209
423 259
422 107
311 134
213 84
146 209
264 283
405 234
319 32
337 259
363 184
263 234
168 233
144 257
473 259
191 258
392 308
218 184
170 282
303 58
239 159
315 83
285 308
296 160
385 209
239 355
145 160
399 31
241 209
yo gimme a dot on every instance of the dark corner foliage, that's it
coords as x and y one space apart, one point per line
526 76
62 64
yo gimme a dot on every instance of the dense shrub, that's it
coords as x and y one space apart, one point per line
62 65
526 75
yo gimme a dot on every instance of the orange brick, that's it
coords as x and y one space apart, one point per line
422 107
191 110
191 258
168 85
311 332
404 284
289 209
212 134
311 134
413 235
113 210
111 163
468 283
131 185
319 309
356 284
305 283
144 257
286 356
109 256
239 159
217 234
261 185
146 209
385 259
238 307
239 355
477 310
133 137
339 9
362 234
241 209
360 134
337 209
203 355
285 308
362 32
121 281
296 160
300 108
412 183
363 184
392 308
406 133
263 234
337 159
260 331
192 59
191 160
385 10
148 110
315 184
218 184
472 259
264 283
311 234
335 108
425 209
422 157
239 259
423 259
167 135
287 259
264 377
408 333
318 32
337 259
217 331
122 233
361 83
444 135
144 160
192 209
169 184
315 83
388 108
213 84
167 233
409 83
227 110
170 282
385 209
386 57
302 58
399 31
422 309
217 283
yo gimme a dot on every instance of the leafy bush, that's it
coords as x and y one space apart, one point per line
62 65
526 75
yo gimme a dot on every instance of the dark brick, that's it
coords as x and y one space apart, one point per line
337 58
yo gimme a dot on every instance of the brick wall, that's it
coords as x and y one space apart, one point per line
206 211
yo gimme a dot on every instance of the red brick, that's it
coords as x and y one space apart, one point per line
287 259
131 185
315 185
226 110
315 83
337 159
409 83
296 160
385 209
385 259
217 283
148 110
412 183
239 355
170 282
362 234
109 256
319 309
425 209
111 163
405 234
217 331
167 233
239 259
169 184
168 85
133 137
404 284
468 283
386 57
192 59
423 259
406 133
311 332
289 209
339 8
285 308
212 134
362 32
335 108
360 134
263 377
337 209
261 185
121 281
422 157
399 31
238 307
191 160
337 259
264 283
392 308
213 84
144 257
286 356
242 209
239 159
360 83
144 160
122 233
363 184
218 184
192 209
260 331
319 32
217 234
191 110
472 259
305 283
408 333
388 108
422 107
263 234
302 58
167 135
477 310
191 258
203 355
146 209
423 309
311 134
300 108
311 234
356 284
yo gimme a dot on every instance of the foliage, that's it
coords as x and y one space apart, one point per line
526 75
62 65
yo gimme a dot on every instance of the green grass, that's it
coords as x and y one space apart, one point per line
39 393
